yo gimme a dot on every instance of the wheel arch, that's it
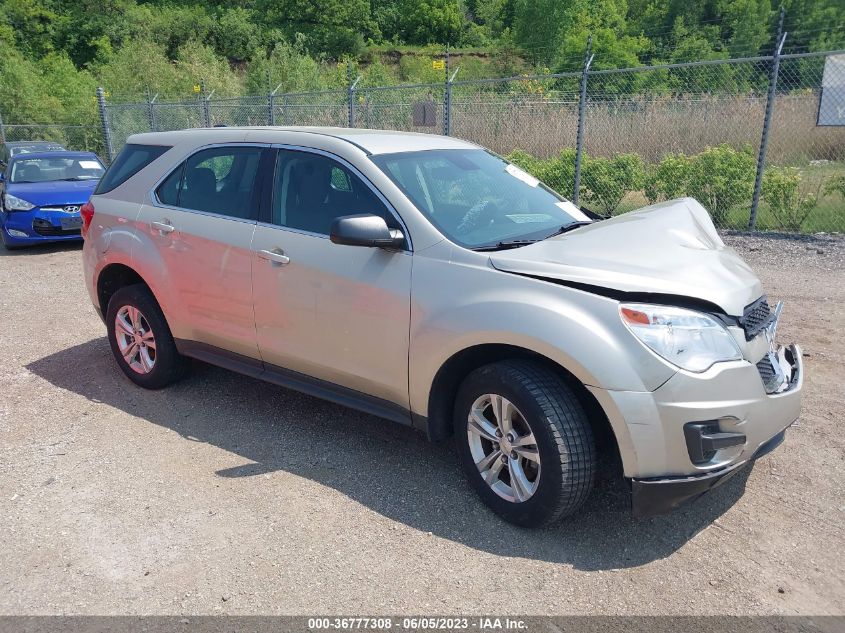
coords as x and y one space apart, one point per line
451 374
114 277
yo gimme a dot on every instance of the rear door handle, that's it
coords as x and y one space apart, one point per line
277 256
163 227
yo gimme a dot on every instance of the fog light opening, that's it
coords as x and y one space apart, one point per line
704 440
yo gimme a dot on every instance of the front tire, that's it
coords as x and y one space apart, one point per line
140 338
524 442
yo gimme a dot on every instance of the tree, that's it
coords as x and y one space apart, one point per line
236 36
287 64
746 26
496 15
813 25
331 27
537 28
33 24
431 21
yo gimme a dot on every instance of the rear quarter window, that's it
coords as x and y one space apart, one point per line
132 159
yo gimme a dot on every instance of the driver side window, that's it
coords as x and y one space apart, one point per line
311 190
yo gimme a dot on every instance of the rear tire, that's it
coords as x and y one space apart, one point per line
140 338
523 421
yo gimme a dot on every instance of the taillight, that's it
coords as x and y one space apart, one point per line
87 213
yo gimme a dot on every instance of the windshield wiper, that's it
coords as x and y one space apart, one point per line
504 245
569 227
75 178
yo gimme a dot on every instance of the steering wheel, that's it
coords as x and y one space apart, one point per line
482 212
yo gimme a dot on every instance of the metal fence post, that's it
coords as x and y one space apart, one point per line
351 92
285 110
447 105
582 112
2 130
271 106
206 109
767 121
104 120
447 99
151 114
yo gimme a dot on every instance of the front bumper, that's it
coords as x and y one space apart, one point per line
651 497
729 400
37 225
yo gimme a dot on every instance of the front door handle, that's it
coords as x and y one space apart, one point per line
276 256
163 227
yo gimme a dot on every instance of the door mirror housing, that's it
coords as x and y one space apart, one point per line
365 230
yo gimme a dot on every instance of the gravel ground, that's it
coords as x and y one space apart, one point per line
227 495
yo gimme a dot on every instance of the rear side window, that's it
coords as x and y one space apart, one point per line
219 180
132 159
168 191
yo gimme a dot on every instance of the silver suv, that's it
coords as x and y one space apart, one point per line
425 280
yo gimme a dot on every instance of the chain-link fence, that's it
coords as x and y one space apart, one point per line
759 141
83 138
535 113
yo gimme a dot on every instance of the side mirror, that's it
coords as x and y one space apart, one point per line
365 230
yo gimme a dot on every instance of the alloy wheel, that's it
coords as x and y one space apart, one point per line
503 448
135 339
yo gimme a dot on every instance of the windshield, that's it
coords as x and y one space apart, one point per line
29 149
50 169
477 199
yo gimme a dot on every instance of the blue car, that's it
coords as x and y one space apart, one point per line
41 193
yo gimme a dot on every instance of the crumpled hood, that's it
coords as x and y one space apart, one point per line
56 192
667 248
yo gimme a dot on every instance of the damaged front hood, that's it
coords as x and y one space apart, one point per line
670 248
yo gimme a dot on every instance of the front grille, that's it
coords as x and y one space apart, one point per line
767 371
756 317
45 228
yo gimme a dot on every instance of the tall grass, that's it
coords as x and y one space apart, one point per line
650 126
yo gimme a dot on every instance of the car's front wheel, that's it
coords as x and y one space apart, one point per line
141 340
524 442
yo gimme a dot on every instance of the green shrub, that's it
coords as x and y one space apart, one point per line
608 180
558 173
836 185
787 203
524 160
722 178
668 179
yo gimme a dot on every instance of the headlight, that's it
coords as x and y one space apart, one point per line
691 340
13 203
